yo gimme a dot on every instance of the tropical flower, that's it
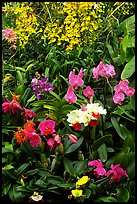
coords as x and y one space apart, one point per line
117 172
76 80
11 107
76 126
54 142
20 136
73 138
88 92
47 127
99 171
9 35
28 114
70 96
76 193
129 91
118 98
36 196
82 181
34 139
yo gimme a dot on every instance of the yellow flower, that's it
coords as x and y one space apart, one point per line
77 193
82 181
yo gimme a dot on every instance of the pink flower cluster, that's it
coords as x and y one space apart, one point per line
76 81
47 127
11 107
9 35
104 70
120 89
116 171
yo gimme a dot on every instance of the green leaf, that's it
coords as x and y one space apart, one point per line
111 51
124 43
102 151
73 147
6 188
55 95
132 100
17 195
20 78
22 168
129 115
106 199
66 185
55 180
80 167
41 183
100 141
8 166
31 172
129 69
123 194
68 166
131 41
116 126
129 142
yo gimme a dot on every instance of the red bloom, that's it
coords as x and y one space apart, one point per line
117 172
28 114
76 126
93 123
99 171
54 142
34 139
47 127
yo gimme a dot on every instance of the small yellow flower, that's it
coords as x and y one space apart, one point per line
77 193
82 181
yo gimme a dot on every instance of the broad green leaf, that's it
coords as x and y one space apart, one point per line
129 115
80 167
68 166
131 41
116 126
123 194
106 199
22 168
100 141
73 147
132 100
6 188
55 95
129 69
127 22
111 51
55 180
7 167
66 185
17 195
131 166
129 142
124 43
31 172
41 183
102 151
20 77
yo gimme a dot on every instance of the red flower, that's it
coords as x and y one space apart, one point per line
28 114
47 127
93 123
76 126
11 107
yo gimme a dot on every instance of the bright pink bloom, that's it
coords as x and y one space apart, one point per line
76 126
73 138
83 108
110 72
121 87
88 92
34 139
9 35
47 127
50 143
117 172
76 81
70 96
95 72
28 114
11 107
118 97
54 142
129 91
81 74
99 171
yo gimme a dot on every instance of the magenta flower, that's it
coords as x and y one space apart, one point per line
11 107
124 81
76 80
117 172
129 91
70 96
73 138
88 92
95 72
121 87
50 143
34 139
118 97
99 171
28 114
47 127
54 142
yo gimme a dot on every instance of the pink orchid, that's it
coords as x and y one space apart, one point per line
73 138
117 172
70 96
50 143
81 73
76 81
34 139
88 92
47 127
95 72
124 81
54 142
118 97
99 171
121 87
11 107
28 114
129 91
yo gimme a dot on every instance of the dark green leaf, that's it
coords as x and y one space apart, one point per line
68 166
80 167
22 168
123 194
100 141
73 147
102 151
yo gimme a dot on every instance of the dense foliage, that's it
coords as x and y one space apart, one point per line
68 101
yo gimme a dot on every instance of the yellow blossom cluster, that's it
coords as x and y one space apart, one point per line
75 24
25 22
